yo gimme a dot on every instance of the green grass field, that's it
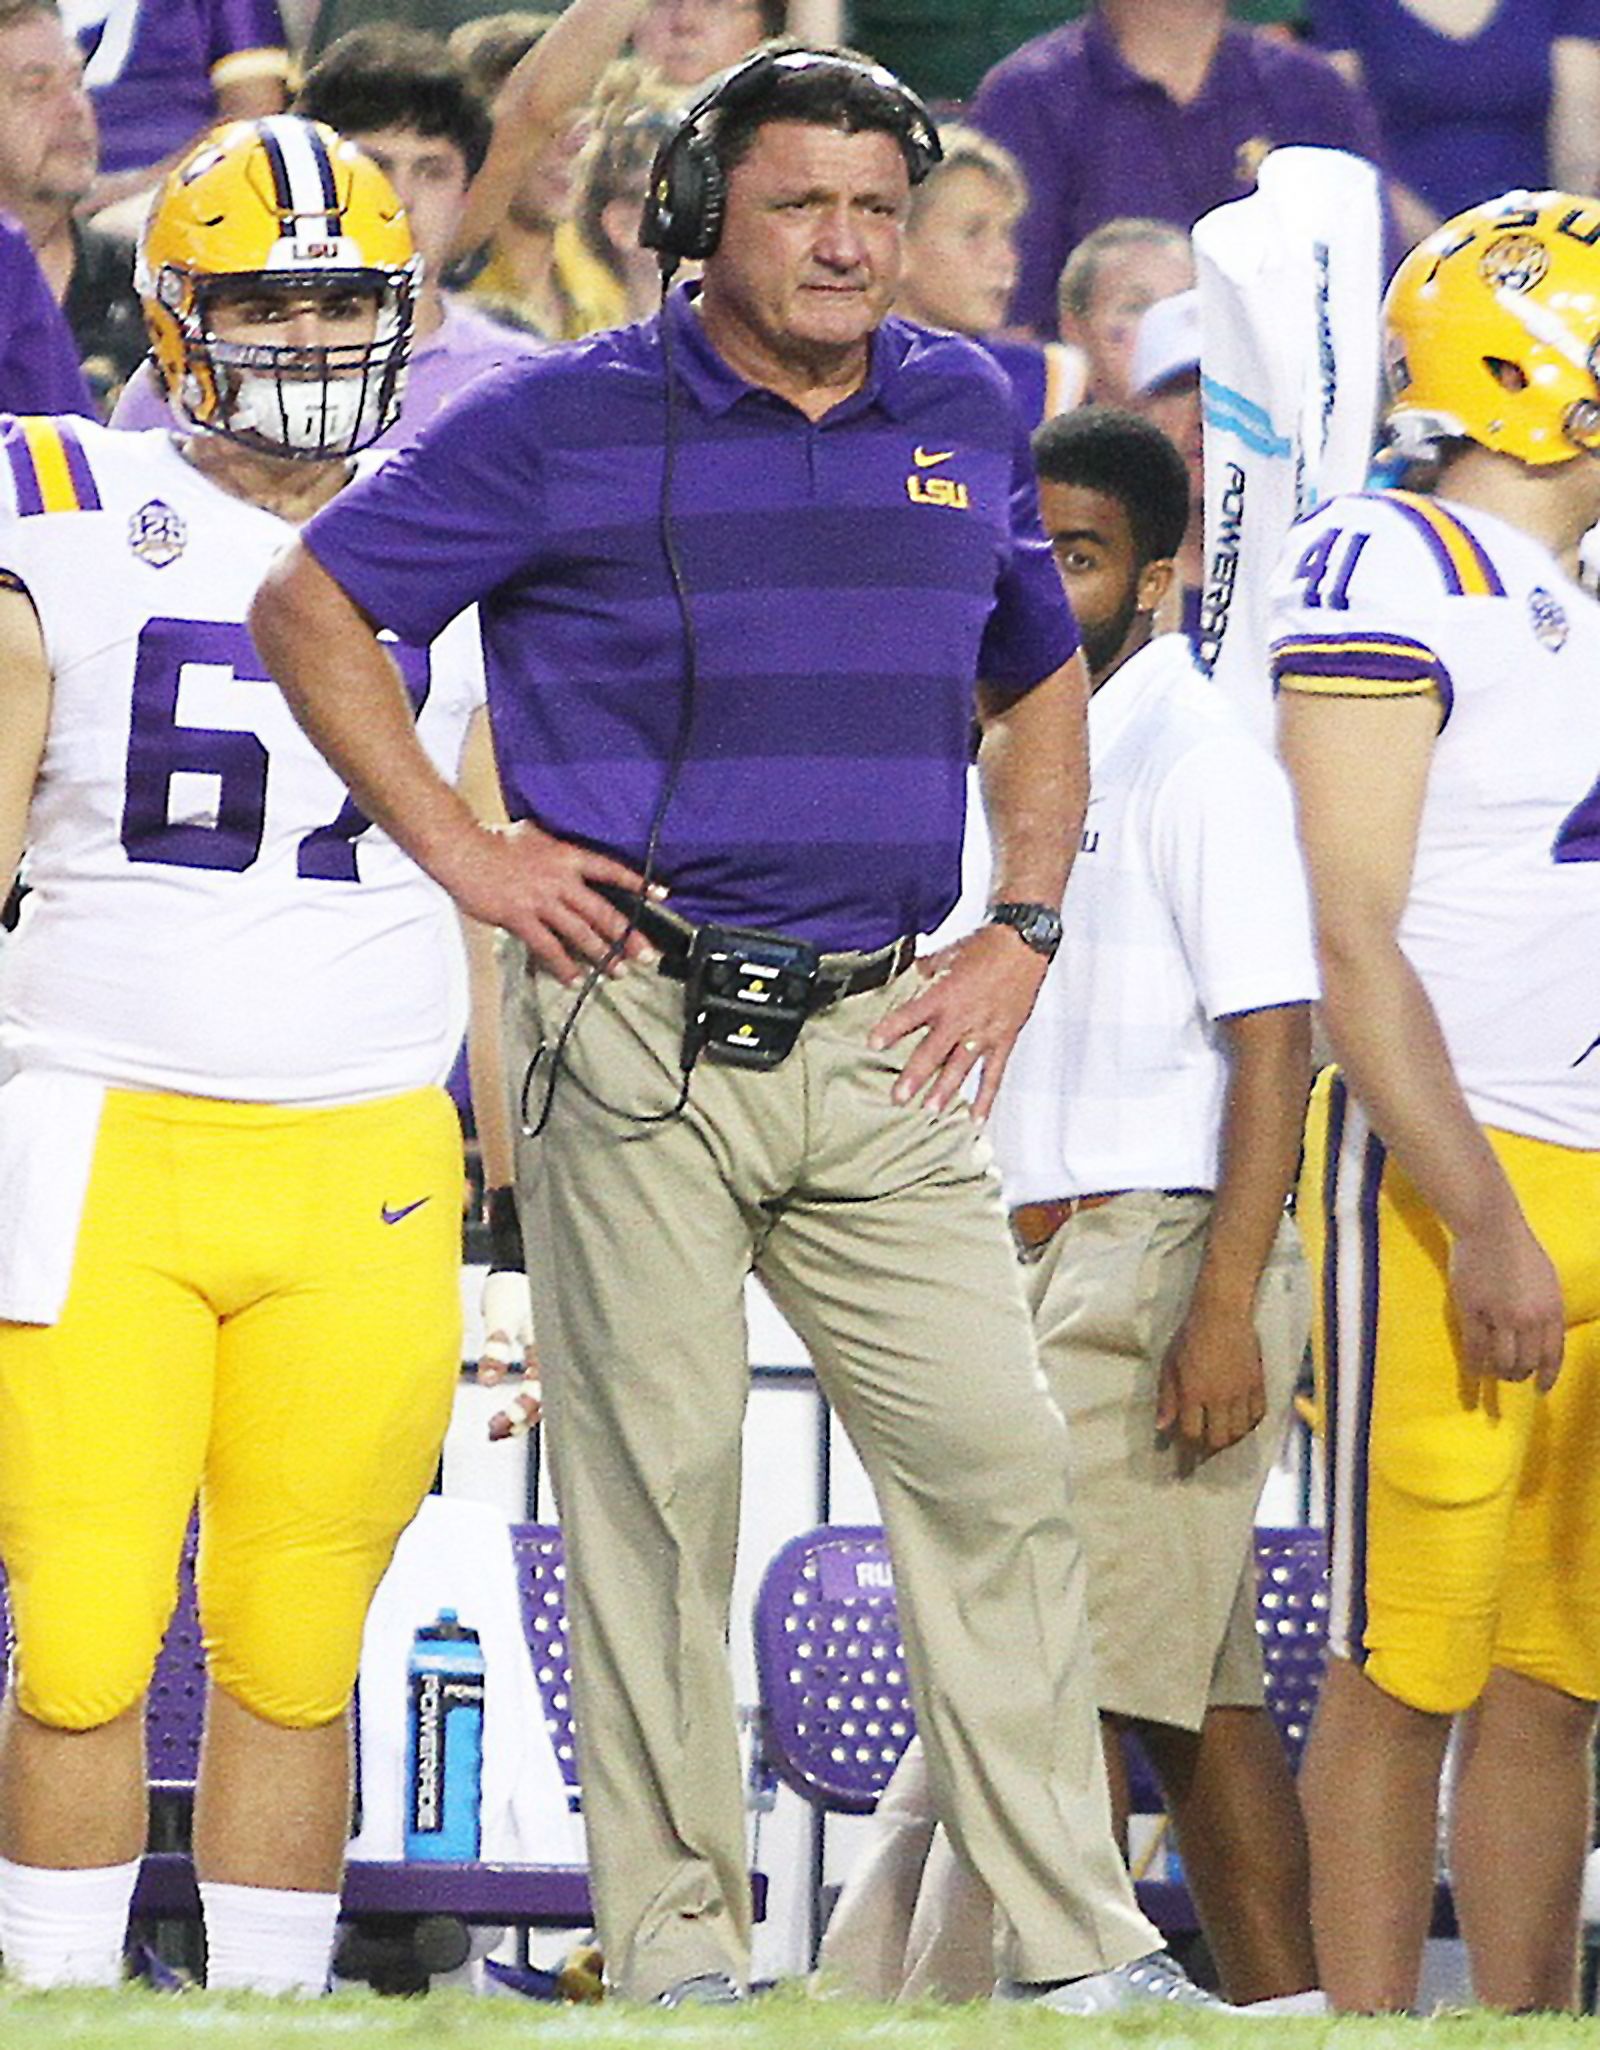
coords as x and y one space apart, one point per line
139 2020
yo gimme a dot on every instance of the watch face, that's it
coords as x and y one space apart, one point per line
1036 924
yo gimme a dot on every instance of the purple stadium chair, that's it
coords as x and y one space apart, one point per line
1292 1621
835 1698
542 1584
175 1706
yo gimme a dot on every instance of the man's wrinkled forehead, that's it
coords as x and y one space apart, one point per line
786 150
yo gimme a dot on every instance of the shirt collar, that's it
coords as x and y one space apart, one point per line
717 388
1112 72
1118 702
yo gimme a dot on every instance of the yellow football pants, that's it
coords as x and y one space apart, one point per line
264 1311
1464 1513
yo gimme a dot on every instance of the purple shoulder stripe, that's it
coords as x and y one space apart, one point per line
24 477
1464 562
78 467
1326 660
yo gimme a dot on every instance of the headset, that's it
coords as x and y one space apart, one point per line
688 192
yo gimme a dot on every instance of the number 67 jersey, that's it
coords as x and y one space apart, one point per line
1389 595
209 912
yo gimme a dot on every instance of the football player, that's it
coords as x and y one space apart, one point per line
228 1265
1438 672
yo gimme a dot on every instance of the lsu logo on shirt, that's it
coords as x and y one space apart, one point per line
923 489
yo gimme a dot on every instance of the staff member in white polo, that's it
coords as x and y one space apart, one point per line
1147 1134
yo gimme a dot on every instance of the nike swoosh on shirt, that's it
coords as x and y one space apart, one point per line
405 1210
926 459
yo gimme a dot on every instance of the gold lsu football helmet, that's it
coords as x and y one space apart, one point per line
1492 330
268 207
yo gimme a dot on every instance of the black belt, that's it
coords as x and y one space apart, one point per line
838 975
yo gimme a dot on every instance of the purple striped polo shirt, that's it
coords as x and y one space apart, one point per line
848 579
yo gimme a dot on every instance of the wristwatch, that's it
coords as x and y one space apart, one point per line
1036 925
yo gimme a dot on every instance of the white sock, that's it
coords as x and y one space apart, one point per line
64 1928
264 1939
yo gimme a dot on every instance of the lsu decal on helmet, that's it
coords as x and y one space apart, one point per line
265 215
1492 330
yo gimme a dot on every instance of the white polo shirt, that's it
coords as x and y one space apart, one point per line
1187 904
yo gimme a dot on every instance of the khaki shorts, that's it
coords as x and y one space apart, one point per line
1171 1564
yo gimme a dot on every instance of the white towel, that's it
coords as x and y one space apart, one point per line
1290 279
48 1125
457 1555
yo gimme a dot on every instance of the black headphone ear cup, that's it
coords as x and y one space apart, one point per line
686 198
703 218
658 218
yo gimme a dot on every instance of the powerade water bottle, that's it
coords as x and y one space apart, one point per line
444 1741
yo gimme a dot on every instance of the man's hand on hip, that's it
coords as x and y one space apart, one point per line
975 999
542 890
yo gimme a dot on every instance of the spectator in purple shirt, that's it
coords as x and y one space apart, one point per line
1153 107
38 359
773 716
1475 97
162 71
48 159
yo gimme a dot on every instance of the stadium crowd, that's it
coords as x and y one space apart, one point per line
792 430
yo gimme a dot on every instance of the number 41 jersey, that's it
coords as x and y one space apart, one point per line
209 912
1388 595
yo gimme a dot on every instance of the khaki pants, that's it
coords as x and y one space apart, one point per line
879 1233
1172 1585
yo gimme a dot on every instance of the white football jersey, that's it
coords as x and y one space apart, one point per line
209 912
1385 595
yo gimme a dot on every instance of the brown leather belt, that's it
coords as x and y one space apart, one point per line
1035 1224
838 975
